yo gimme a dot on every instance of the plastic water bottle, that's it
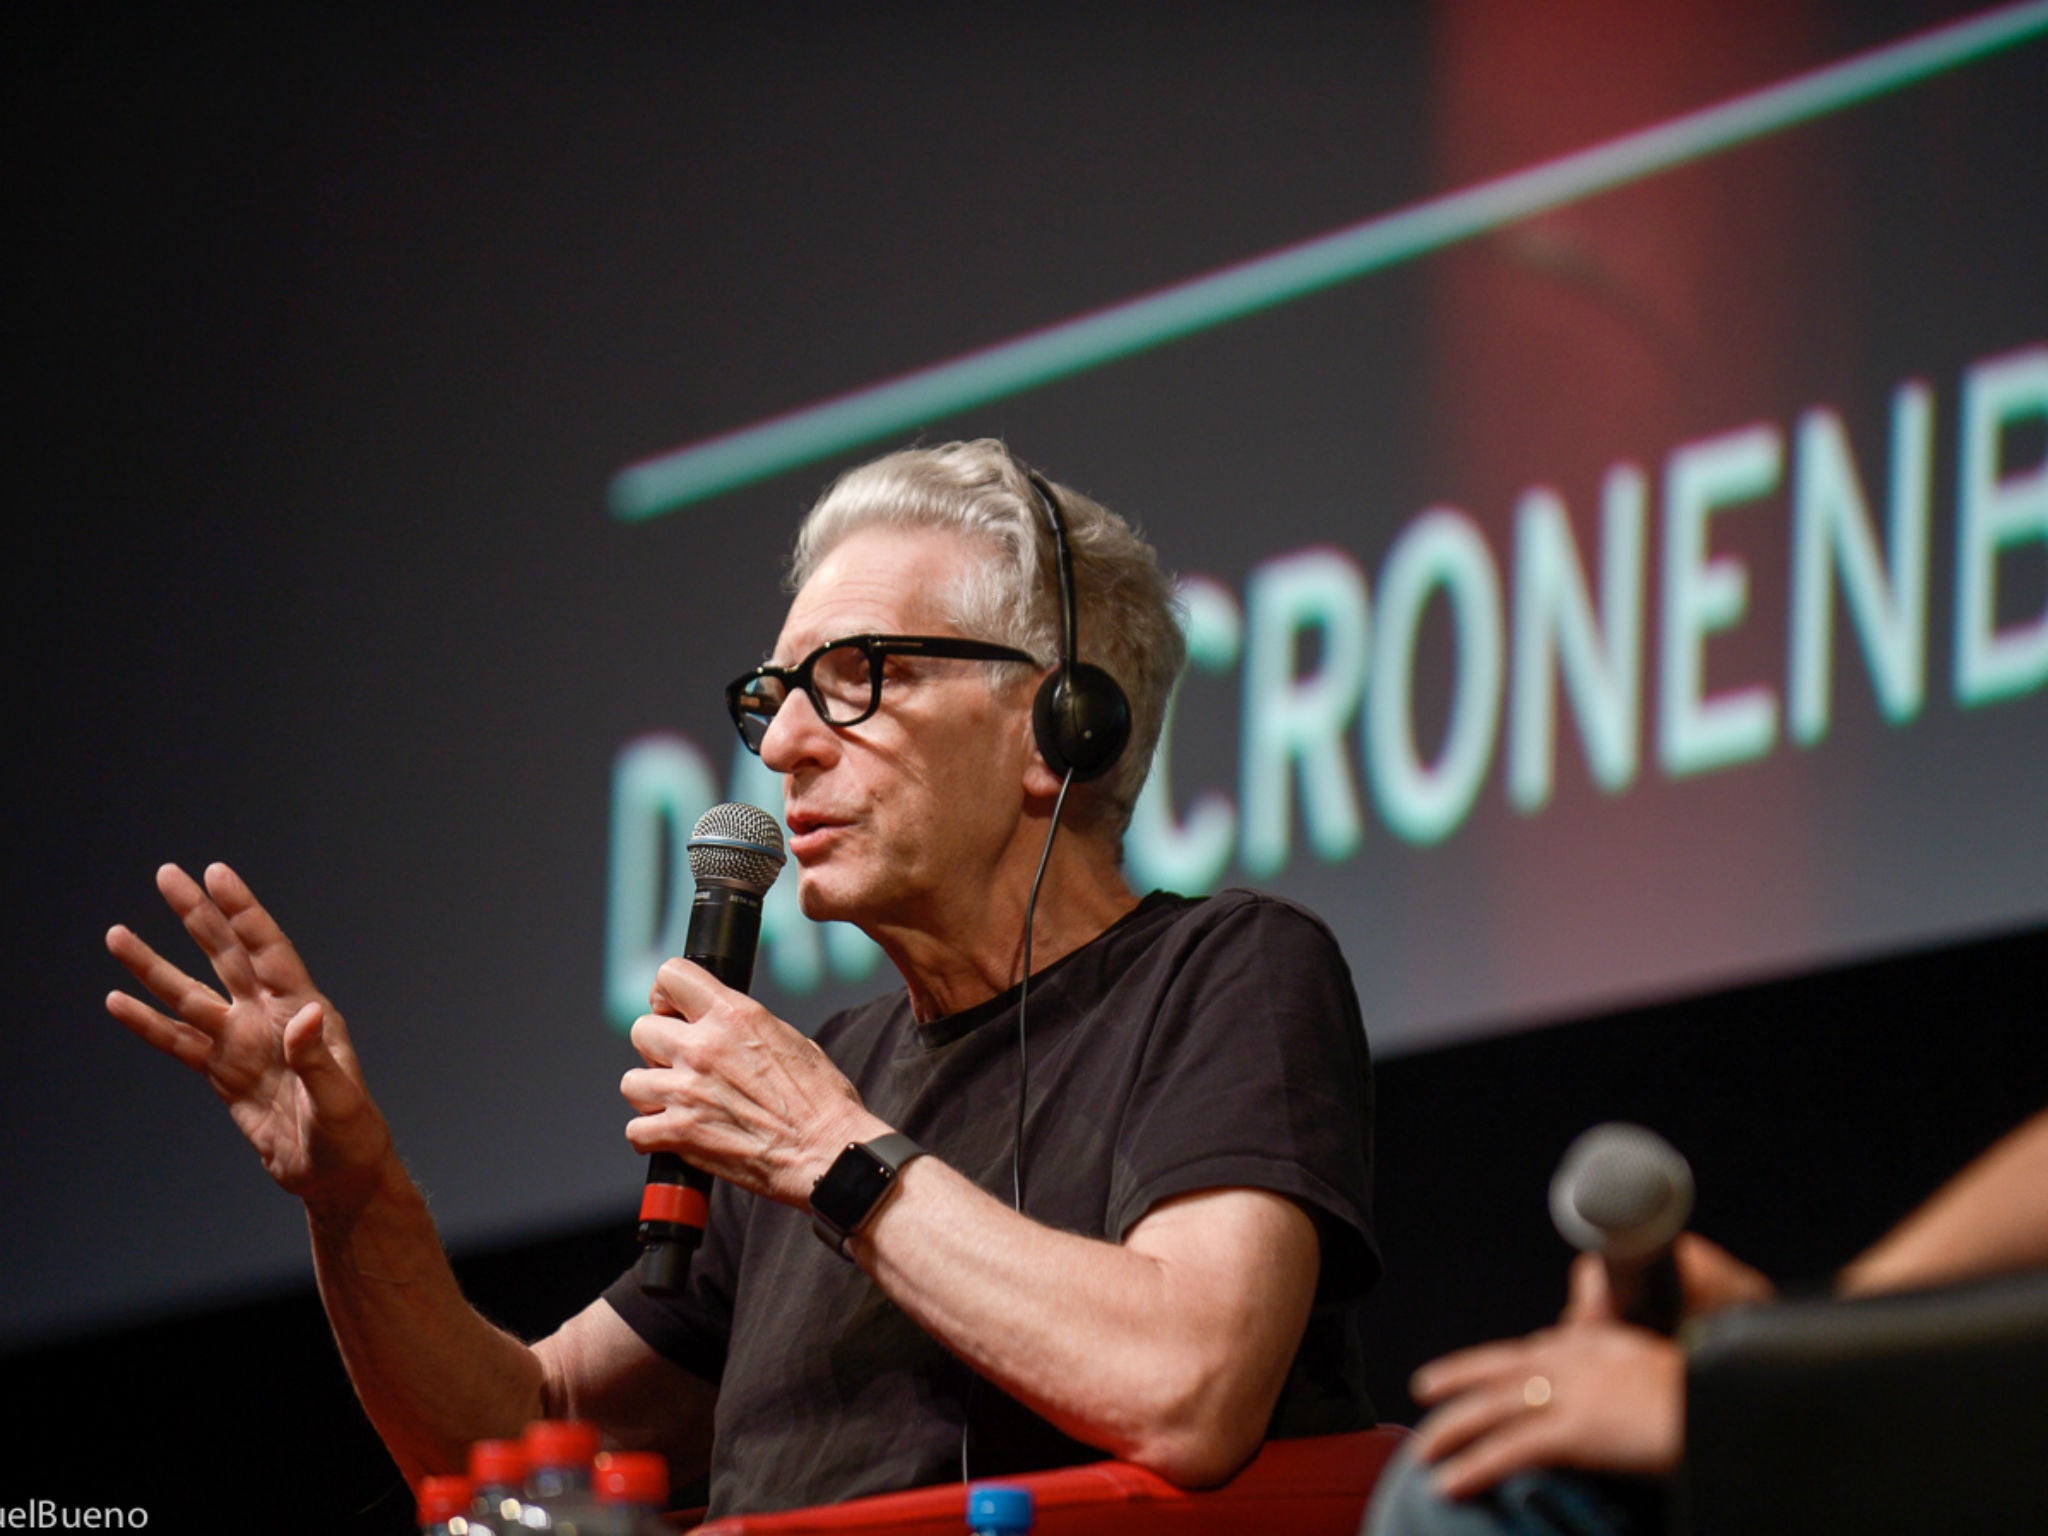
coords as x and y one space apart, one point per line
559 1453
442 1499
497 1471
998 1509
632 1487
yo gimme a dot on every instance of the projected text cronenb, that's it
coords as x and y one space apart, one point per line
1569 632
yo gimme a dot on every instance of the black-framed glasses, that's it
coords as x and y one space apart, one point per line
843 678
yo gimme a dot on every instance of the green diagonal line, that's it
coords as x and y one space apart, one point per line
725 463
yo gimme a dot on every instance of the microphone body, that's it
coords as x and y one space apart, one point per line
1624 1193
735 854
1646 1291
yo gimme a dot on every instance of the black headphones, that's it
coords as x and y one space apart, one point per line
1081 718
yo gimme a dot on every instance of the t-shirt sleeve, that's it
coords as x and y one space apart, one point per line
1256 1074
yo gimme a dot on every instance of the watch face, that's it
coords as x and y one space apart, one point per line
850 1188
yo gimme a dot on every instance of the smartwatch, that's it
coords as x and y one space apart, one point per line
848 1194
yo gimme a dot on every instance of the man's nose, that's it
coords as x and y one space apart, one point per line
797 735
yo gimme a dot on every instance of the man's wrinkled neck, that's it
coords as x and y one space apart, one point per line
958 960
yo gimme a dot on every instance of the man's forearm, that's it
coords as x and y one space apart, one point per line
1989 1219
1169 1349
432 1373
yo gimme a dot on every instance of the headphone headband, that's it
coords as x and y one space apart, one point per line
1081 718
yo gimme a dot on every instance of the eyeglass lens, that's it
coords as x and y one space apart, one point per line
840 680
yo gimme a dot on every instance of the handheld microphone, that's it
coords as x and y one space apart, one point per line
1624 1193
735 854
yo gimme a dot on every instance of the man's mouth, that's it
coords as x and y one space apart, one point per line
810 832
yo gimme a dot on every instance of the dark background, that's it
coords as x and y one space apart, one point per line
329 328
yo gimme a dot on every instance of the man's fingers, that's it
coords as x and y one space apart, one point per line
195 1002
1448 1375
1589 1298
663 1040
643 1089
1518 1445
172 1036
1468 1417
1712 1278
209 929
312 1060
254 928
684 990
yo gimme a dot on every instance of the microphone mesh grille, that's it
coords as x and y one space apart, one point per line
1621 1190
736 845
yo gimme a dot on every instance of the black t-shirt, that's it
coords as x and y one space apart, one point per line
1194 1045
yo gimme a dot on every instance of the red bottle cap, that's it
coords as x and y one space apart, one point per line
442 1499
497 1464
632 1477
560 1443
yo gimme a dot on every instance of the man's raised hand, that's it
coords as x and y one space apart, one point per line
267 1041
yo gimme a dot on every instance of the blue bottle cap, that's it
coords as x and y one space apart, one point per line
997 1508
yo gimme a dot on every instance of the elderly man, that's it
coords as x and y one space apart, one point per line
1150 1243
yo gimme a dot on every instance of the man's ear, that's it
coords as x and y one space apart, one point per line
1040 782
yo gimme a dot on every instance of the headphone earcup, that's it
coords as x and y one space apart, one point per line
1082 721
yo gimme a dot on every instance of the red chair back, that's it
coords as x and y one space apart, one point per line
1316 1486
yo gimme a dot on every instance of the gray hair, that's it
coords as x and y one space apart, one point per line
1127 621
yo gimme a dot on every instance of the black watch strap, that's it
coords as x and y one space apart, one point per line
861 1178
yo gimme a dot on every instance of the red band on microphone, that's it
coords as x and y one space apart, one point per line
675 1202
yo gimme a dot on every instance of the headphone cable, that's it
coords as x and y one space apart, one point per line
1024 999
1023 1077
